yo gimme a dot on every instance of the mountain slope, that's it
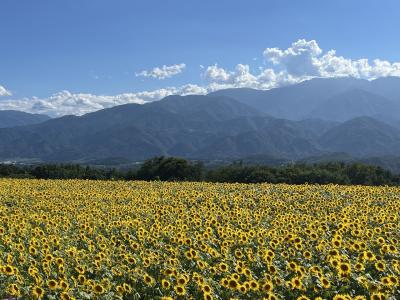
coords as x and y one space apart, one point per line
279 138
294 102
388 87
325 98
356 103
361 137
12 118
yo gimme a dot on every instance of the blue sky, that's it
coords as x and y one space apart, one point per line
100 48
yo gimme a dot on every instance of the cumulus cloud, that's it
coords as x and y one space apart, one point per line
307 59
214 73
4 92
162 72
242 76
297 60
301 61
67 103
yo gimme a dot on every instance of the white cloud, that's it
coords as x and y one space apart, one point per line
241 76
67 103
4 92
163 72
306 58
214 73
297 59
301 61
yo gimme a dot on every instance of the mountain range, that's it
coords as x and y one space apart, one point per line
315 118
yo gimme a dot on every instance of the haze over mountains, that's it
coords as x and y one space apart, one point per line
336 99
316 118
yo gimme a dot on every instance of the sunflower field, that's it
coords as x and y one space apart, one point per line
76 239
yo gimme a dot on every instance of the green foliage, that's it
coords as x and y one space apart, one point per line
170 169
59 171
324 173
178 169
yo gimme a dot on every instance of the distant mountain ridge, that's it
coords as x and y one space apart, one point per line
12 118
356 103
361 136
326 98
316 118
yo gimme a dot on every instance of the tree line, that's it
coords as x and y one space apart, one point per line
179 169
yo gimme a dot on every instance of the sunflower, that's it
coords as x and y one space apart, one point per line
368 255
37 292
267 286
238 254
201 264
180 290
120 289
206 289
239 270
341 297
242 288
165 284
48 257
182 280
235 276
336 243
303 298
64 285
359 267
292 266
224 282
378 296
98 289
233 284
223 267
271 296
14 290
59 261
33 251
254 286
392 249
307 254
148 280
66 296
380 266
208 297
393 280
127 288
188 255
169 272
325 283
344 269
52 284
81 279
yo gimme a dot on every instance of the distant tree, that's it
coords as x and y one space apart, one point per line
169 169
